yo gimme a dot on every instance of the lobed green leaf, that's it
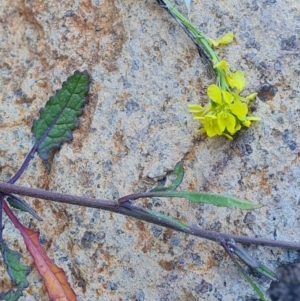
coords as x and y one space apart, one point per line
60 116
16 271
11 295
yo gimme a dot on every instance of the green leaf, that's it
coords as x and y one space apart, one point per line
219 200
251 262
179 173
11 295
16 271
243 255
20 204
163 217
260 292
59 117
262 269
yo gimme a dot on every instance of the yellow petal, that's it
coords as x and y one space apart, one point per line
238 126
208 117
222 64
202 130
230 123
237 80
210 132
214 93
252 118
251 96
228 97
225 119
225 39
229 80
217 128
213 42
227 136
210 123
221 121
240 110
195 108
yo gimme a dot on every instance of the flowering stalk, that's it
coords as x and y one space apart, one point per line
227 111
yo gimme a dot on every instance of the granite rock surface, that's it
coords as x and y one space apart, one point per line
135 128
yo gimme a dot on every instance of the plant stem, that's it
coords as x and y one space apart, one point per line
227 250
259 291
136 212
197 36
23 167
15 178
200 40
12 217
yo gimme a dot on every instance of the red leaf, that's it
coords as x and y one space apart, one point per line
55 279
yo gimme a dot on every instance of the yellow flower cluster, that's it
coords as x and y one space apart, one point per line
227 111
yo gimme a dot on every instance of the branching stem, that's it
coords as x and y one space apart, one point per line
128 209
15 178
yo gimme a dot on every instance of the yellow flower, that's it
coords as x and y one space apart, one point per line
234 80
224 40
226 120
218 95
223 65
227 112
211 125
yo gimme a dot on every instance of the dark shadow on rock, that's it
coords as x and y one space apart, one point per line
288 288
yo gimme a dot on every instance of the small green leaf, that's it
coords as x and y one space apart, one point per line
260 292
243 255
59 117
179 173
17 272
251 262
163 217
20 204
11 295
219 200
262 269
